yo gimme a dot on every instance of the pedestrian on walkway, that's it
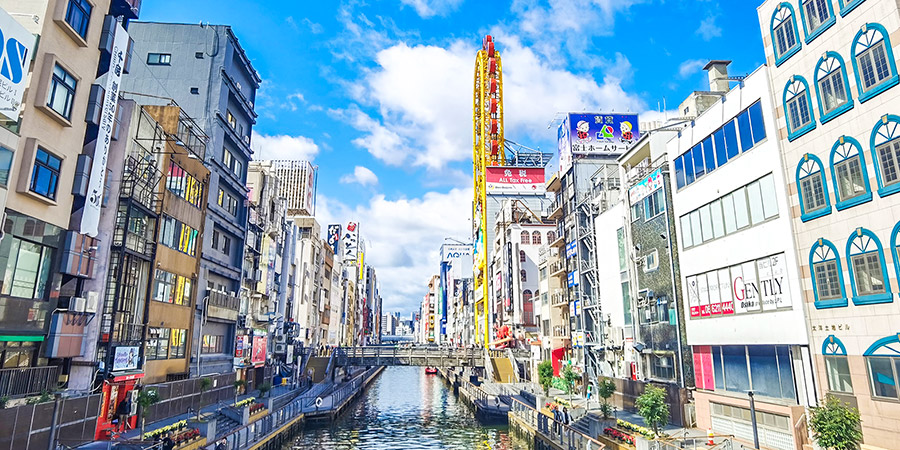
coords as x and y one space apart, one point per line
565 415
222 445
167 442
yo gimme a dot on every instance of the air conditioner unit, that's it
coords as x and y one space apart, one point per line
76 304
279 339
280 348
92 303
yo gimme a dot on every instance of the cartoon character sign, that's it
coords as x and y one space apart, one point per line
625 127
583 131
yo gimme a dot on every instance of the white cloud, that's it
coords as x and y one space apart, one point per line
361 175
284 147
690 67
431 8
403 238
708 28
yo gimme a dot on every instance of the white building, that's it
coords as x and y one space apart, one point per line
833 70
739 271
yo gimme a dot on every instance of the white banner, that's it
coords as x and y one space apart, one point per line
16 44
90 215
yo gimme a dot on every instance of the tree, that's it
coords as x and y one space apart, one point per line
238 384
605 389
835 425
205 384
264 389
569 376
545 376
146 398
653 408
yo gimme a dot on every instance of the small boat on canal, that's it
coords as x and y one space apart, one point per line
430 371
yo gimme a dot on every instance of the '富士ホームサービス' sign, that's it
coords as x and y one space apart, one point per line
515 180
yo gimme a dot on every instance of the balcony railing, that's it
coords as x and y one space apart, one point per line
223 300
123 333
28 380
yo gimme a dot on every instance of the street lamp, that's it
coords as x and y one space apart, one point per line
753 420
203 311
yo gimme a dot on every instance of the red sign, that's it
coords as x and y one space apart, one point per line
515 180
695 311
259 350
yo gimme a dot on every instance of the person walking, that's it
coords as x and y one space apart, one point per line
222 445
167 442
565 415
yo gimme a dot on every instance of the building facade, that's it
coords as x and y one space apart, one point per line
833 71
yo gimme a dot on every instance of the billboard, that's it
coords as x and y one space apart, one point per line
258 355
126 358
750 287
595 134
571 249
334 237
646 186
350 241
515 180
15 52
309 189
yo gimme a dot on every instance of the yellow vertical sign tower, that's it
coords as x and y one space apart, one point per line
487 150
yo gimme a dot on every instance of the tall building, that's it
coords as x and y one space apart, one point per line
833 72
204 69
56 128
739 267
299 181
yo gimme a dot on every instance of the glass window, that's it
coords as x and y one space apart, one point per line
828 282
849 176
813 192
873 66
731 145
525 238
838 370
756 204
785 370
6 158
770 203
45 174
522 257
709 154
159 59
163 286
721 153
653 204
699 168
816 13
868 274
798 111
523 274
696 228
882 372
889 161
651 261
212 343
741 212
832 89
62 92
688 168
78 15
679 172
706 223
744 128
158 344
718 372
784 36
729 214
718 224
734 359
764 370
757 124
686 237
178 344
28 269
536 238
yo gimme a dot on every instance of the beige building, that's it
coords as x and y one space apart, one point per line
833 68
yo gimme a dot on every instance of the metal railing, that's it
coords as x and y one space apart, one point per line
223 300
559 433
28 380
413 356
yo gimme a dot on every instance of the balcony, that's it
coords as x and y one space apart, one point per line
558 298
557 267
555 209
123 333
19 382
222 305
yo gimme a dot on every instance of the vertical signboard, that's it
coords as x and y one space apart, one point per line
725 294
15 53
309 199
334 237
90 215
258 355
350 241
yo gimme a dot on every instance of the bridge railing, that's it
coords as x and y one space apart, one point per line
407 354
559 433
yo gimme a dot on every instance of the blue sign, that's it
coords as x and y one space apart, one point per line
573 278
571 249
595 133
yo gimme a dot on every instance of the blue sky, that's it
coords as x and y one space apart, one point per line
378 94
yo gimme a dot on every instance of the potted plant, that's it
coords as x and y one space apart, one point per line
147 397
238 385
836 425
205 384
264 389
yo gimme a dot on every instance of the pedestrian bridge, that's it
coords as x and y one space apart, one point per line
410 356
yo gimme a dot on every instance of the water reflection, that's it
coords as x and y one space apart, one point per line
406 409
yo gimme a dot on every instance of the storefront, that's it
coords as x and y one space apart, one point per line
120 392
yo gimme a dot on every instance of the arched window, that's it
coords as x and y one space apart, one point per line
849 174
895 248
526 238
522 256
883 359
527 295
524 275
827 277
848 5
814 200
536 238
817 17
873 61
868 273
836 366
885 144
551 236
784 33
832 87
797 108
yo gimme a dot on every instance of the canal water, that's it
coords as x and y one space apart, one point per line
406 409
